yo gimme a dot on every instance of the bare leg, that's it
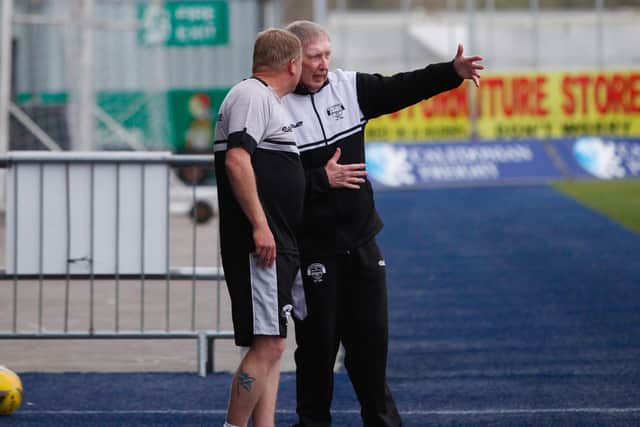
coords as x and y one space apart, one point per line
252 379
265 409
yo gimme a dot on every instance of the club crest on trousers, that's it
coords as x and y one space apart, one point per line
316 271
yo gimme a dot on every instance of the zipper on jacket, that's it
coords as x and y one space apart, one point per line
315 110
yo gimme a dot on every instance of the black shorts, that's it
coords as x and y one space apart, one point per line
261 297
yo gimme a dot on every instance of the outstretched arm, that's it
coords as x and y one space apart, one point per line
378 95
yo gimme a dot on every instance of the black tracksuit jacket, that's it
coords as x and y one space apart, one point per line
335 221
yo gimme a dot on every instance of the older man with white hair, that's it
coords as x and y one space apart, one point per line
342 267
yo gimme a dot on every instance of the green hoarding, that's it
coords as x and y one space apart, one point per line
182 120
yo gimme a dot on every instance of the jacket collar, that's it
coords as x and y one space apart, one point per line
301 89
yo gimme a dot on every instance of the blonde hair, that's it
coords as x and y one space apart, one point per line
307 31
274 48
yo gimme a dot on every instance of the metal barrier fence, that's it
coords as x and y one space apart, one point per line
108 222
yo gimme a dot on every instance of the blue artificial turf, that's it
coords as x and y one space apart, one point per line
509 306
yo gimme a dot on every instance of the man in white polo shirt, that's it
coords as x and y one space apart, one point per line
260 192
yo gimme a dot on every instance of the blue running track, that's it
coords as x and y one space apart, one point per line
509 306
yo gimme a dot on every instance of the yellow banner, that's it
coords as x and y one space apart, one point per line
524 105
442 117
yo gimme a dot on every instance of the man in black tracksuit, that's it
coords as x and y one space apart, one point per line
342 268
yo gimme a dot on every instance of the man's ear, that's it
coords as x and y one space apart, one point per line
291 66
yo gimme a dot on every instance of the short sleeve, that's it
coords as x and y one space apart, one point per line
247 120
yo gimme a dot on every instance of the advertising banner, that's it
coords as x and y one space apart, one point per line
192 115
560 104
523 105
443 117
416 165
604 158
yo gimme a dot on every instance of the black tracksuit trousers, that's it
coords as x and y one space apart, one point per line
347 303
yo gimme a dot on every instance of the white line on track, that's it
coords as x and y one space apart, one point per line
454 412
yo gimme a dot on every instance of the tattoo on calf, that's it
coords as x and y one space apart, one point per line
245 381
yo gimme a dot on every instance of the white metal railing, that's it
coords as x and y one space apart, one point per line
87 218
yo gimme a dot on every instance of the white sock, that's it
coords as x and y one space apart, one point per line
226 424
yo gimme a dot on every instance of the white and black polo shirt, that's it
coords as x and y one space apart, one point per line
252 117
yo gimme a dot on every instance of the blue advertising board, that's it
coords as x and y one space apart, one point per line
417 165
600 157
